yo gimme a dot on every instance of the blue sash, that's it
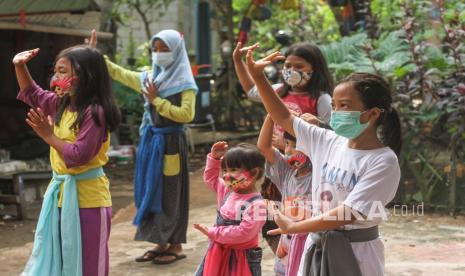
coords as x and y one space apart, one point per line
148 177
57 247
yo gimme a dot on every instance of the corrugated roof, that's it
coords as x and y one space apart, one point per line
71 17
10 7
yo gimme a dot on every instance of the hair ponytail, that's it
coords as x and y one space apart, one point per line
391 131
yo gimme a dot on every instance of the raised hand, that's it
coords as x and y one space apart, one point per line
239 51
151 91
41 124
219 149
92 40
201 228
256 67
24 57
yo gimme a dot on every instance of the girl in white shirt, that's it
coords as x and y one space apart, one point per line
355 167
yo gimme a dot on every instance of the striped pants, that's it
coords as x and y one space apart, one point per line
95 232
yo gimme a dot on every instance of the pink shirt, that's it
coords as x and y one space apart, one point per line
90 137
253 217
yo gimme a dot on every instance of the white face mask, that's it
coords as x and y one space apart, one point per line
294 78
163 59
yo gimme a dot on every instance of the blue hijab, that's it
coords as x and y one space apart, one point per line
175 78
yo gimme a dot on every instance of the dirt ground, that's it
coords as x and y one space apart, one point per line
121 177
431 244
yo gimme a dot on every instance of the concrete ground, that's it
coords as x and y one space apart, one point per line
415 245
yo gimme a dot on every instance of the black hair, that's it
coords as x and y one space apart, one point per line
93 87
321 80
288 136
244 156
375 92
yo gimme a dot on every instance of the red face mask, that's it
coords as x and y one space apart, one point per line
298 160
63 86
238 180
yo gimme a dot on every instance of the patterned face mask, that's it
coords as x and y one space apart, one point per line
238 180
297 161
63 86
296 78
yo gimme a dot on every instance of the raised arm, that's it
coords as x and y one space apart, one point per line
22 73
30 93
264 142
241 69
127 77
211 175
273 104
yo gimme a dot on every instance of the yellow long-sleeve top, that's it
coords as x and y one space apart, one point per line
182 114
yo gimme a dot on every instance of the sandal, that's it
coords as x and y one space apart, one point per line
177 257
148 256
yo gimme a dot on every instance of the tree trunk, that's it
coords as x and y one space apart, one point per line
231 75
145 20
453 177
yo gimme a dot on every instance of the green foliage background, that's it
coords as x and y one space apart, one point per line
420 49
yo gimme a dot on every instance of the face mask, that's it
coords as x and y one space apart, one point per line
238 180
347 123
62 86
297 161
162 59
294 78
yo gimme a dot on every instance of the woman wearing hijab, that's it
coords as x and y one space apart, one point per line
161 178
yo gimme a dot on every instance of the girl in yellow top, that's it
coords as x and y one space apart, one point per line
161 176
73 239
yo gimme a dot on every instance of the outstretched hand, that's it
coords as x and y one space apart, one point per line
201 228
219 149
41 124
240 51
92 40
24 57
256 67
280 219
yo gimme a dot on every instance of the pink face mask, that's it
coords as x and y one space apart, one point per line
238 180
62 86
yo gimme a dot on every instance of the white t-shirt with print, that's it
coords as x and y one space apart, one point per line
365 180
